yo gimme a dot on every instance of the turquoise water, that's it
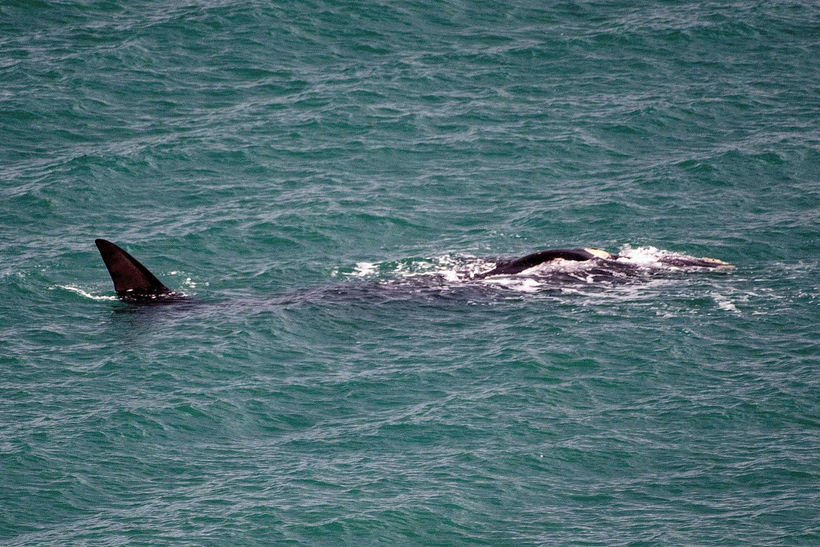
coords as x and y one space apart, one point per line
318 177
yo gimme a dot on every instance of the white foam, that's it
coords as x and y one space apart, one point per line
85 294
364 269
724 303
556 265
187 282
525 284
642 256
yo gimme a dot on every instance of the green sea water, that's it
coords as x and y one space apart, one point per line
321 178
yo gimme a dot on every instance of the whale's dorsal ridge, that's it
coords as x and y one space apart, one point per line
511 267
132 280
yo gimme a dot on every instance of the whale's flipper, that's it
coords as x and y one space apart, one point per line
518 265
132 281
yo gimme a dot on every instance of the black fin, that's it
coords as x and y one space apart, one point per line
132 280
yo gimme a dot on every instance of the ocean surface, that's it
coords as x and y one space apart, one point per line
324 179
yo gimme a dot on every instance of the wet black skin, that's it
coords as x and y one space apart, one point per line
511 267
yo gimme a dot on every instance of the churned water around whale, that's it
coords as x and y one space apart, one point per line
322 179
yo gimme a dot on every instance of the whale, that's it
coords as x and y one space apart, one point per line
518 265
135 284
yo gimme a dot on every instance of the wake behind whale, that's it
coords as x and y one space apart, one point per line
542 270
